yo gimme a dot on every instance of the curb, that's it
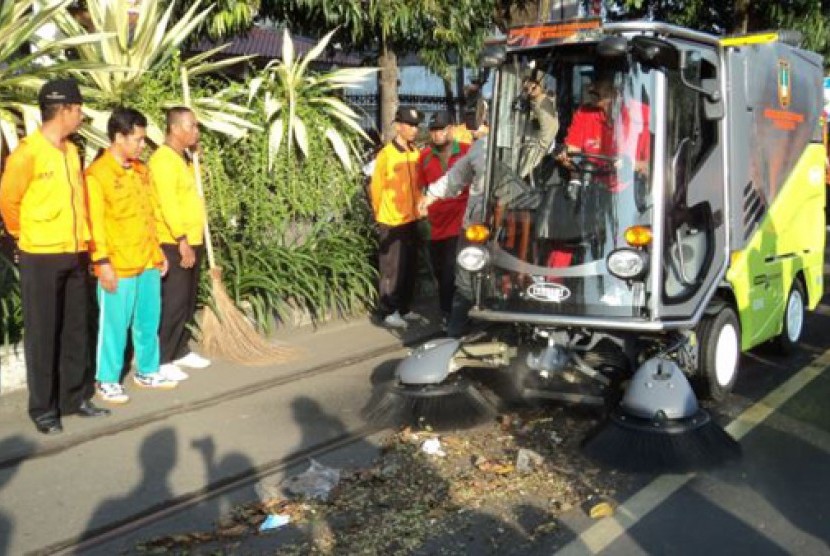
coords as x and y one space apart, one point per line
12 368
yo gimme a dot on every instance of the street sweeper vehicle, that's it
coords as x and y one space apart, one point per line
676 221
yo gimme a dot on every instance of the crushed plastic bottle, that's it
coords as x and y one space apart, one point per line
528 460
315 483
433 448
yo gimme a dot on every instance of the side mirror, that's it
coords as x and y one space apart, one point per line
655 53
492 55
708 87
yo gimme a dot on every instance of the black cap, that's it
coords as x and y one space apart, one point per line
60 91
440 120
408 115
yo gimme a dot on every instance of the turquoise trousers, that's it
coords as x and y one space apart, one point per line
134 306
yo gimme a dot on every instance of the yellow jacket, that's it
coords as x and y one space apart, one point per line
394 189
182 209
122 216
43 197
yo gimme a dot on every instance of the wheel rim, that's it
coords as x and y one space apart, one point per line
795 316
726 354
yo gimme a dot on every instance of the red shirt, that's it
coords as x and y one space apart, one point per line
592 133
445 215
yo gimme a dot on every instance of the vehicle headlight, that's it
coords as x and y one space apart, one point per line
627 264
473 258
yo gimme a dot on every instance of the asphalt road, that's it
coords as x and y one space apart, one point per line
229 420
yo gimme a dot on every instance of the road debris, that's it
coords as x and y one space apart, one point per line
498 488
315 483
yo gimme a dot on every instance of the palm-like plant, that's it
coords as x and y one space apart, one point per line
151 44
290 91
21 74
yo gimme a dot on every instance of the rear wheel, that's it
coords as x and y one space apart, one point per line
793 326
720 351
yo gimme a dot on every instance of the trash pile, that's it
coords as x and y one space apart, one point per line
497 488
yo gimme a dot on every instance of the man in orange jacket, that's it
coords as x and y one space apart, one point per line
180 228
43 204
127 258
395 195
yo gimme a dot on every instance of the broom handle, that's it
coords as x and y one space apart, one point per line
208 241
198 171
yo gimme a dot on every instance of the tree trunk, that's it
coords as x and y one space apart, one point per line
741 17
388 97
449 97
543 12
462 98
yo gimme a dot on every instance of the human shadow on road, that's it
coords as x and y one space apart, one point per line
389 500
158 455
317 427
24 447
228 469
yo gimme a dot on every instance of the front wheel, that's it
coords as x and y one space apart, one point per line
793 326
720 351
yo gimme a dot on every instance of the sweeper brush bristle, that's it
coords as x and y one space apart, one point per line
457 404
639 445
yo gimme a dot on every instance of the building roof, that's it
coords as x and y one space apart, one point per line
267 43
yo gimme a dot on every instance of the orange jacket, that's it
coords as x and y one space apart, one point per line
43 197
395 190
182 208
122 216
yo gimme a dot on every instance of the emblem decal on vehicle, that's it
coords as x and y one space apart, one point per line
549 292
784 92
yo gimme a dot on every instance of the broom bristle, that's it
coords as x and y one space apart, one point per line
643 446
455 405
227 333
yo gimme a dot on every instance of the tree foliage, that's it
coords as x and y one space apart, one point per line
292 93
441 32
739 16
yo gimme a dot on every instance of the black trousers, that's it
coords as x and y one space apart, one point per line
178 303
443 253
55 292
398 262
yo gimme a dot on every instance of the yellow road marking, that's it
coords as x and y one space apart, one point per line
600 535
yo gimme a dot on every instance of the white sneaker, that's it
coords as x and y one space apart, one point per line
192 360
111 392
155 381
413 316
172 372
395 321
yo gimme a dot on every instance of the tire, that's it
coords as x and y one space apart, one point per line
793 326
720 352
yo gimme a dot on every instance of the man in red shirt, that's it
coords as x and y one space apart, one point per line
445 215
593 130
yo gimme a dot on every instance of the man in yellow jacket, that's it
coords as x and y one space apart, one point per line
43 204
127 258
180 227
395 193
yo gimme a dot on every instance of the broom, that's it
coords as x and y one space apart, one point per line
659 427
224 330
455 404
418 398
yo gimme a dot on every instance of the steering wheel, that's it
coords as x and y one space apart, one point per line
594 163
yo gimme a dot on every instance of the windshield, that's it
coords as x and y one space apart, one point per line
571 169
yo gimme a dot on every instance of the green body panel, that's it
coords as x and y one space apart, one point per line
787 245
